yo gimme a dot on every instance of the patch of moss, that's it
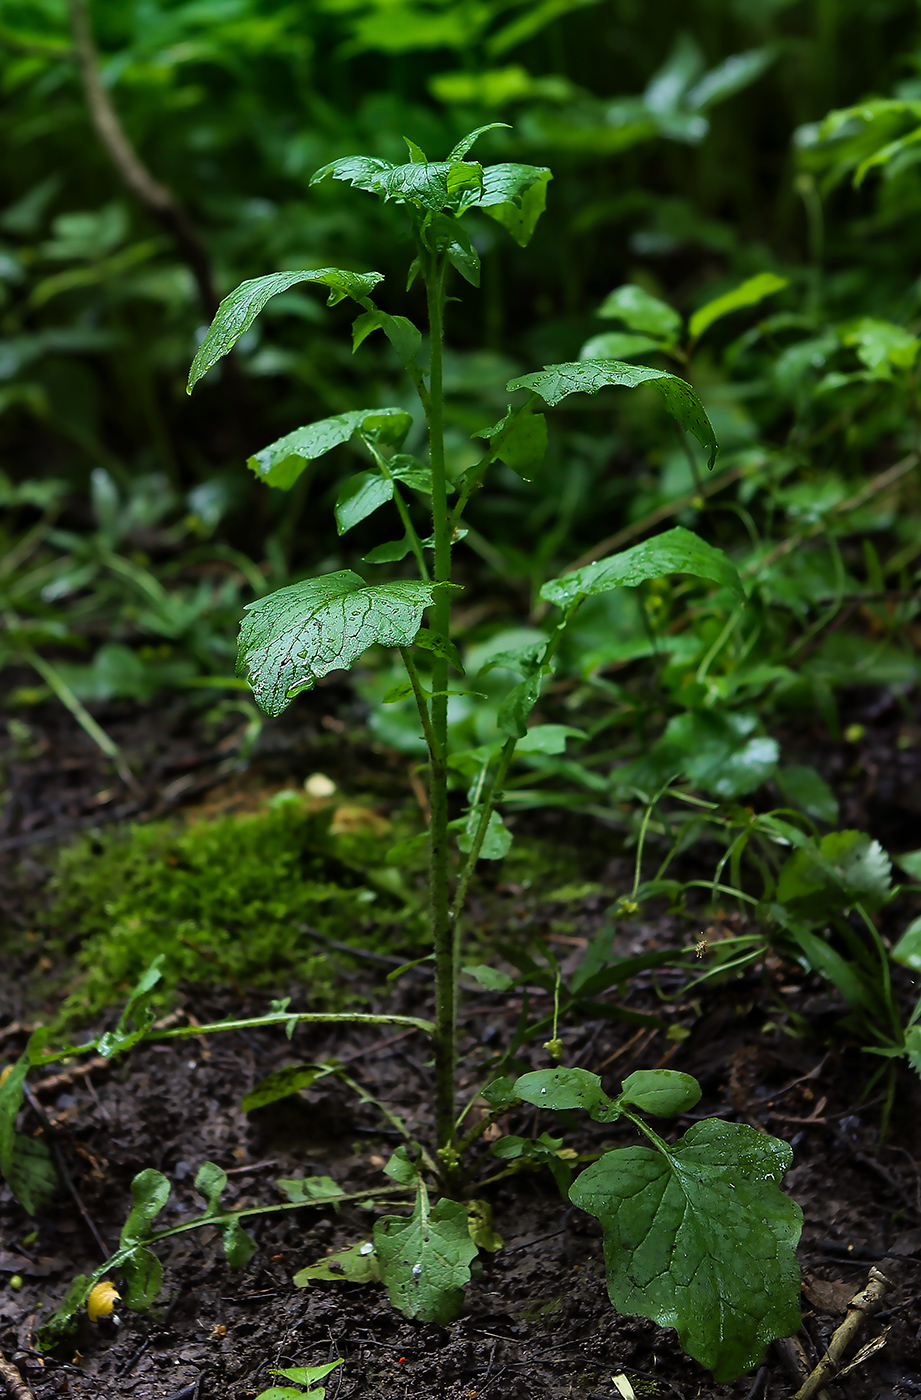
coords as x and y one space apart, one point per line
223 901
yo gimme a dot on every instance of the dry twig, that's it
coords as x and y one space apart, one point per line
13 1384
861 1308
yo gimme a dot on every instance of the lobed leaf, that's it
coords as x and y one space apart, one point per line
281 463
676 551
554 382
425 1260
238 311
292 638
698 1236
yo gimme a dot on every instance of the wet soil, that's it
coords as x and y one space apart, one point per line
536 1321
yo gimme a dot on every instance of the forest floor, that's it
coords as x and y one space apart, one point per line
536 1321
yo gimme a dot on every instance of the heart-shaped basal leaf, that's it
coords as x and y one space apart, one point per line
238 311
676 551
554 382
281 463
425 1260
292 638
698 1236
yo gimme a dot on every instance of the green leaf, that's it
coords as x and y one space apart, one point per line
401 1167
512 717
306 1375
402 691
724 754
489 977
663 1092
498 839
60 1325
292 638
910 862
239 1247
699 1237
434 186
390 553
356 1264
412 472
320 1189
480 1226
425 1260
281 463
828 962
136 1018
515 196
805 788
879 343
618 345
561 1088
467 142
730 77
280 1085
440 646
360 496
210 1180
676 551
238 311
642 312
748 293
499 1093
402 334
519 439
548 738
149 1191
554 382
31 1174
543 1151
846 868
143 1278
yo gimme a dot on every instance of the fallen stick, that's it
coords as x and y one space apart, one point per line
13 1383
861 1308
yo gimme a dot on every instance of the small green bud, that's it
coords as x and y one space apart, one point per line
554 1047
16 1282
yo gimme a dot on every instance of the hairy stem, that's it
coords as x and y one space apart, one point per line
442 931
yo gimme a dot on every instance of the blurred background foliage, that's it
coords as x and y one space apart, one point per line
693 146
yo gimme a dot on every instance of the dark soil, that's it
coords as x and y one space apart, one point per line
537 1322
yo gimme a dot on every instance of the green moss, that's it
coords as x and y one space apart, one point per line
223 901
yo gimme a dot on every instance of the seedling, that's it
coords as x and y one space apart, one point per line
697 1233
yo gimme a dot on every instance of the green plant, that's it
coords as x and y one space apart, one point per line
717 1211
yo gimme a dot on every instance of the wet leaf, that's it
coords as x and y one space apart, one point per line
425 1260
698 1236
281 463
238 311
356 1264
292 638
676 551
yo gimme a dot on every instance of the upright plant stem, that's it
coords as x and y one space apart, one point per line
442 924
